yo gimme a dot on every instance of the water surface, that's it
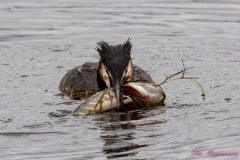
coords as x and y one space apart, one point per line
41 40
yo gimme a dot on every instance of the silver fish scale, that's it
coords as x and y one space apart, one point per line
95 102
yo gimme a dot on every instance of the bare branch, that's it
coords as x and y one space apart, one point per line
169 79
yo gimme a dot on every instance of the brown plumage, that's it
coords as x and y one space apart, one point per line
113 70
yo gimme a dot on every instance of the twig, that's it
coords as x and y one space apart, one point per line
203 94
168 79
183 68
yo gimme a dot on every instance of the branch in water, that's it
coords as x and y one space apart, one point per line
168 79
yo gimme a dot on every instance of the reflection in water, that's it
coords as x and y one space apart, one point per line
60 113
41 40
116 145
120 134
130 115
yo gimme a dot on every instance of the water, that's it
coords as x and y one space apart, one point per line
41 40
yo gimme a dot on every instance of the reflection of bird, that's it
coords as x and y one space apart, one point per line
113 70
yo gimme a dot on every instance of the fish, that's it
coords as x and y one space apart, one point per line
145 94
100 102
135 95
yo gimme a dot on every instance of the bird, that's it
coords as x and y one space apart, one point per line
114 69
115 66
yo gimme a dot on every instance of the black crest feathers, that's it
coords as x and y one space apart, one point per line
115 57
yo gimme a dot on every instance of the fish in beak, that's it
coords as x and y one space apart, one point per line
145 94
100 102
135 94
115 66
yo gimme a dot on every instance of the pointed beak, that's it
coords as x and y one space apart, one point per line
115 79
118 82
117 86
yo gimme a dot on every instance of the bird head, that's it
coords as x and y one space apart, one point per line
115 65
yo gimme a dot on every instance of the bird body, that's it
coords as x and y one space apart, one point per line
81 82
114 70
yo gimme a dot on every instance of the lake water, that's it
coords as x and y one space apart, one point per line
40 40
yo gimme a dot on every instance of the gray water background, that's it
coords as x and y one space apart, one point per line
40 40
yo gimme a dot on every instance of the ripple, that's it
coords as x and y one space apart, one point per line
26 133
40 41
